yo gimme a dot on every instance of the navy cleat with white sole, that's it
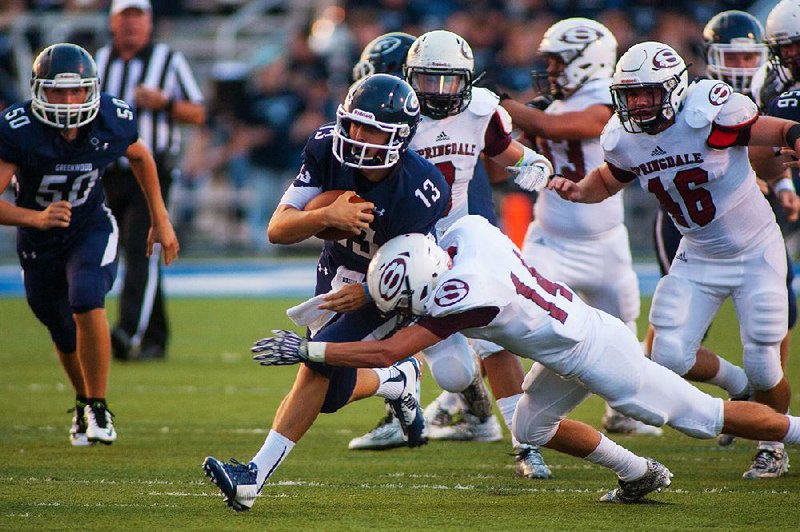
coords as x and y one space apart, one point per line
406 407
236 481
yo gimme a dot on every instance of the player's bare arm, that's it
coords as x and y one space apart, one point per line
161 230
772 168
579 125
57 214
347 299
287 348
181 110
598 185
289 225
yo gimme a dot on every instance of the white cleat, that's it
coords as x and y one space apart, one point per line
768 463
77 431
386 435
99 423
617 423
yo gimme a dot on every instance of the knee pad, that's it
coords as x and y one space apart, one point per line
533 424
452 363
668 315
766 320
640 411
484 348
762 365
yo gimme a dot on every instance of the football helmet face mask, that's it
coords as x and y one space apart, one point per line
402 275
586 49
783 39
734 48
648 87
384 55
385 103
440 68
64 66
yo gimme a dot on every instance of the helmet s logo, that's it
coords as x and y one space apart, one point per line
465 50
451 292
580 35
391 280
719 94
411 105
389 44
665 58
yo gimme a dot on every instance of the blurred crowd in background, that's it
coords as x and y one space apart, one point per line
267 93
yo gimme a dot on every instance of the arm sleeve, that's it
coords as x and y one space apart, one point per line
497 137
731 127
621 175
452 323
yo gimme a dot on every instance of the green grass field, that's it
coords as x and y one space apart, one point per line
209 398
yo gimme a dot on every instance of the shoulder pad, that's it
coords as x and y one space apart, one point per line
737 111
484 102
704 100
611 134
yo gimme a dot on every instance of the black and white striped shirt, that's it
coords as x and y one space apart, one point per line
156 66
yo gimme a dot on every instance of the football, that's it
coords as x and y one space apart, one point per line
324 199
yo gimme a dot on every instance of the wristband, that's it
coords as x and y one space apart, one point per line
366 291
792 135
782 185
316 351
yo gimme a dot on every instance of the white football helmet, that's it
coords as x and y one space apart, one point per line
655 66
782 28
439 67
403 273
587 48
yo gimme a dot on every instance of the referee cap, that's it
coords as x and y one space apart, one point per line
118 6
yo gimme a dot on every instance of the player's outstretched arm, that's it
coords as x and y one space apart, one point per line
286 347
578 125
161 230
598 185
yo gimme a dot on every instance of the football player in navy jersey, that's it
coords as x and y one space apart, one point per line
366 153
56 146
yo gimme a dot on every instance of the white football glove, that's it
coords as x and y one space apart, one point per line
283 349
532 176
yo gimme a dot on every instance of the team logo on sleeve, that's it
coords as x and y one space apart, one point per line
391 280
719 94
451 292
665 58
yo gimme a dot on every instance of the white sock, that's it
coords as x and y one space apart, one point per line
507 405
730 378
274 451
773 445
623 462
793 434
389 388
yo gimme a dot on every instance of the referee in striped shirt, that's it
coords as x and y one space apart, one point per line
159 84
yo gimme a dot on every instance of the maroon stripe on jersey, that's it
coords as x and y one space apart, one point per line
623 176
722 137
452 323
496 139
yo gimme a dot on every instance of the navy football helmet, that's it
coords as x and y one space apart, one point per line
734 48
64 66
384 55
385 103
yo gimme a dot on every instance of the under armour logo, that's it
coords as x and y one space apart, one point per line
657 151
29 255
322 269
681 257
442 137
379 212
